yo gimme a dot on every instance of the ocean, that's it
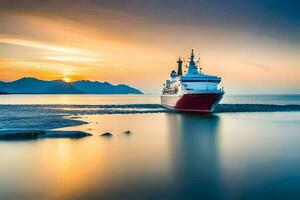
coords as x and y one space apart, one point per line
229 154
139 99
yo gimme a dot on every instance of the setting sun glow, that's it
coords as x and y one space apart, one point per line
67 80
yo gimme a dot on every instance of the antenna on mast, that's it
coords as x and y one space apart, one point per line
198 61
184 60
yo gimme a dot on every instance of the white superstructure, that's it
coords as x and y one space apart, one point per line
181 89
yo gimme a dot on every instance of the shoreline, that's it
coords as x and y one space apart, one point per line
41 121
74 109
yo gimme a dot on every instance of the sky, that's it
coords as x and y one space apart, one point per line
254 45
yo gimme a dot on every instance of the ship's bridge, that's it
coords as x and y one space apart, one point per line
195 79
200 78
194 74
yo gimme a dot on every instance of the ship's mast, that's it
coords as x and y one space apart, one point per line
179 70
192 69
192 62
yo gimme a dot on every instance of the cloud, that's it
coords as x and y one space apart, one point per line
40 45
262 67
66 58
275 18
51 53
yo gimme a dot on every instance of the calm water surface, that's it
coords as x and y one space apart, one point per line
167 156
138 99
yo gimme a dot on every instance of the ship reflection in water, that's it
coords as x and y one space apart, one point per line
167 156
195 157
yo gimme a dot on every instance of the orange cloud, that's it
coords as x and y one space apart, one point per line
38 44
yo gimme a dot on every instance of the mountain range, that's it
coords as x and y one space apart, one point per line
28 85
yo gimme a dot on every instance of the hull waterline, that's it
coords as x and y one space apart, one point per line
205 102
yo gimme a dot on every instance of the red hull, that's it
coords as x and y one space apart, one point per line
192 102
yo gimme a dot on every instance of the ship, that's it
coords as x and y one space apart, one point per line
193 91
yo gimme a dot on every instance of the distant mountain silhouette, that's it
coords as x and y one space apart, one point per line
30 85
64 89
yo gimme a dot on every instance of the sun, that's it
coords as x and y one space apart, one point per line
67 79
